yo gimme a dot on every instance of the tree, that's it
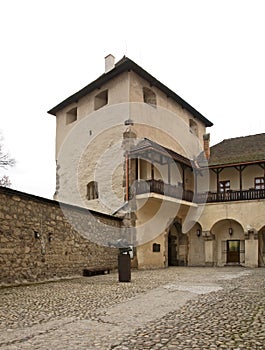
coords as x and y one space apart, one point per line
5 162
5 181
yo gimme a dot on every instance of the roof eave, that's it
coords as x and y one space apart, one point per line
122 66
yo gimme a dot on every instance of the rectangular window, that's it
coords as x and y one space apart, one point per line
71 116
156 248
259 183
224 186
101 100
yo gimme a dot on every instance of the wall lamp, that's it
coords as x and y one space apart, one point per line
198 232
230 231
128 122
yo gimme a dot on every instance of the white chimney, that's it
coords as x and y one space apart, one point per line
109 63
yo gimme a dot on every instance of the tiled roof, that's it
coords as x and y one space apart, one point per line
238 150
126 64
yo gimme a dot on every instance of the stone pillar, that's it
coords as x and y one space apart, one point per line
209 246
251 248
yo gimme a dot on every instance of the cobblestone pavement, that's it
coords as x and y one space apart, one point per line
175 308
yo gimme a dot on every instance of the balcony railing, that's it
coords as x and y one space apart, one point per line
158 186
228 196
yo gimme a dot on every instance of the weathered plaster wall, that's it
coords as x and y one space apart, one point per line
247 213
60 250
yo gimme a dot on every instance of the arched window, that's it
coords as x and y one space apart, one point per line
193 127
92 190
149 96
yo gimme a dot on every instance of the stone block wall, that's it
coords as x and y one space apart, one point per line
38 242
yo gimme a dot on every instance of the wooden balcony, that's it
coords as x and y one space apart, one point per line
158 186
211 197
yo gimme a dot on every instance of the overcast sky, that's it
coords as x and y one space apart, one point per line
211 53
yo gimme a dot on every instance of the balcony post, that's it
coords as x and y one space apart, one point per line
240 169
169 172
137 168
183 176
195 182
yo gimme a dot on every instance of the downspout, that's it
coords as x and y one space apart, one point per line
126 177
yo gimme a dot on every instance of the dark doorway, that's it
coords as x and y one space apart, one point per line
172 249
233 251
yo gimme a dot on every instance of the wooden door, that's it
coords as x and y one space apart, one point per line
233 251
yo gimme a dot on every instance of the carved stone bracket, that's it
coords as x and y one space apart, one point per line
251 232
208 235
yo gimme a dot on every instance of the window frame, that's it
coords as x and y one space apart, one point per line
101 99
259 185
149 97
92 190
223 187
71 116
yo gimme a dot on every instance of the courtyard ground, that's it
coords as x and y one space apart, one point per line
175 308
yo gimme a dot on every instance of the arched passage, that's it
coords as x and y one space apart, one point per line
177 246
261 253
229 245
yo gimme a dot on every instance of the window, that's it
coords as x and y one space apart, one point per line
149 96
156 248
193 127
224 186
71 116
92 190
101 100
259 183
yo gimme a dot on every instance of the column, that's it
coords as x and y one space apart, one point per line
251 248
209 248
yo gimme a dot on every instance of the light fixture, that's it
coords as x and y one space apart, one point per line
128 122
230 231
198 232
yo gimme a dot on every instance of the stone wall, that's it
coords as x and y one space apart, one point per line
39 242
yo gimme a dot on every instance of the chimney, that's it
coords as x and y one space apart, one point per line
206 145
109 63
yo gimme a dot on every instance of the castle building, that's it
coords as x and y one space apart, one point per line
128 146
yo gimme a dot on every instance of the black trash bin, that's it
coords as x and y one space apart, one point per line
124 266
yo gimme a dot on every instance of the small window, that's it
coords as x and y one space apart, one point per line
224 186
193 127
71 116
156 248
101 100
149 96
259 183
92 190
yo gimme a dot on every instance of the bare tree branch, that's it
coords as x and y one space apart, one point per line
5 160
5 181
